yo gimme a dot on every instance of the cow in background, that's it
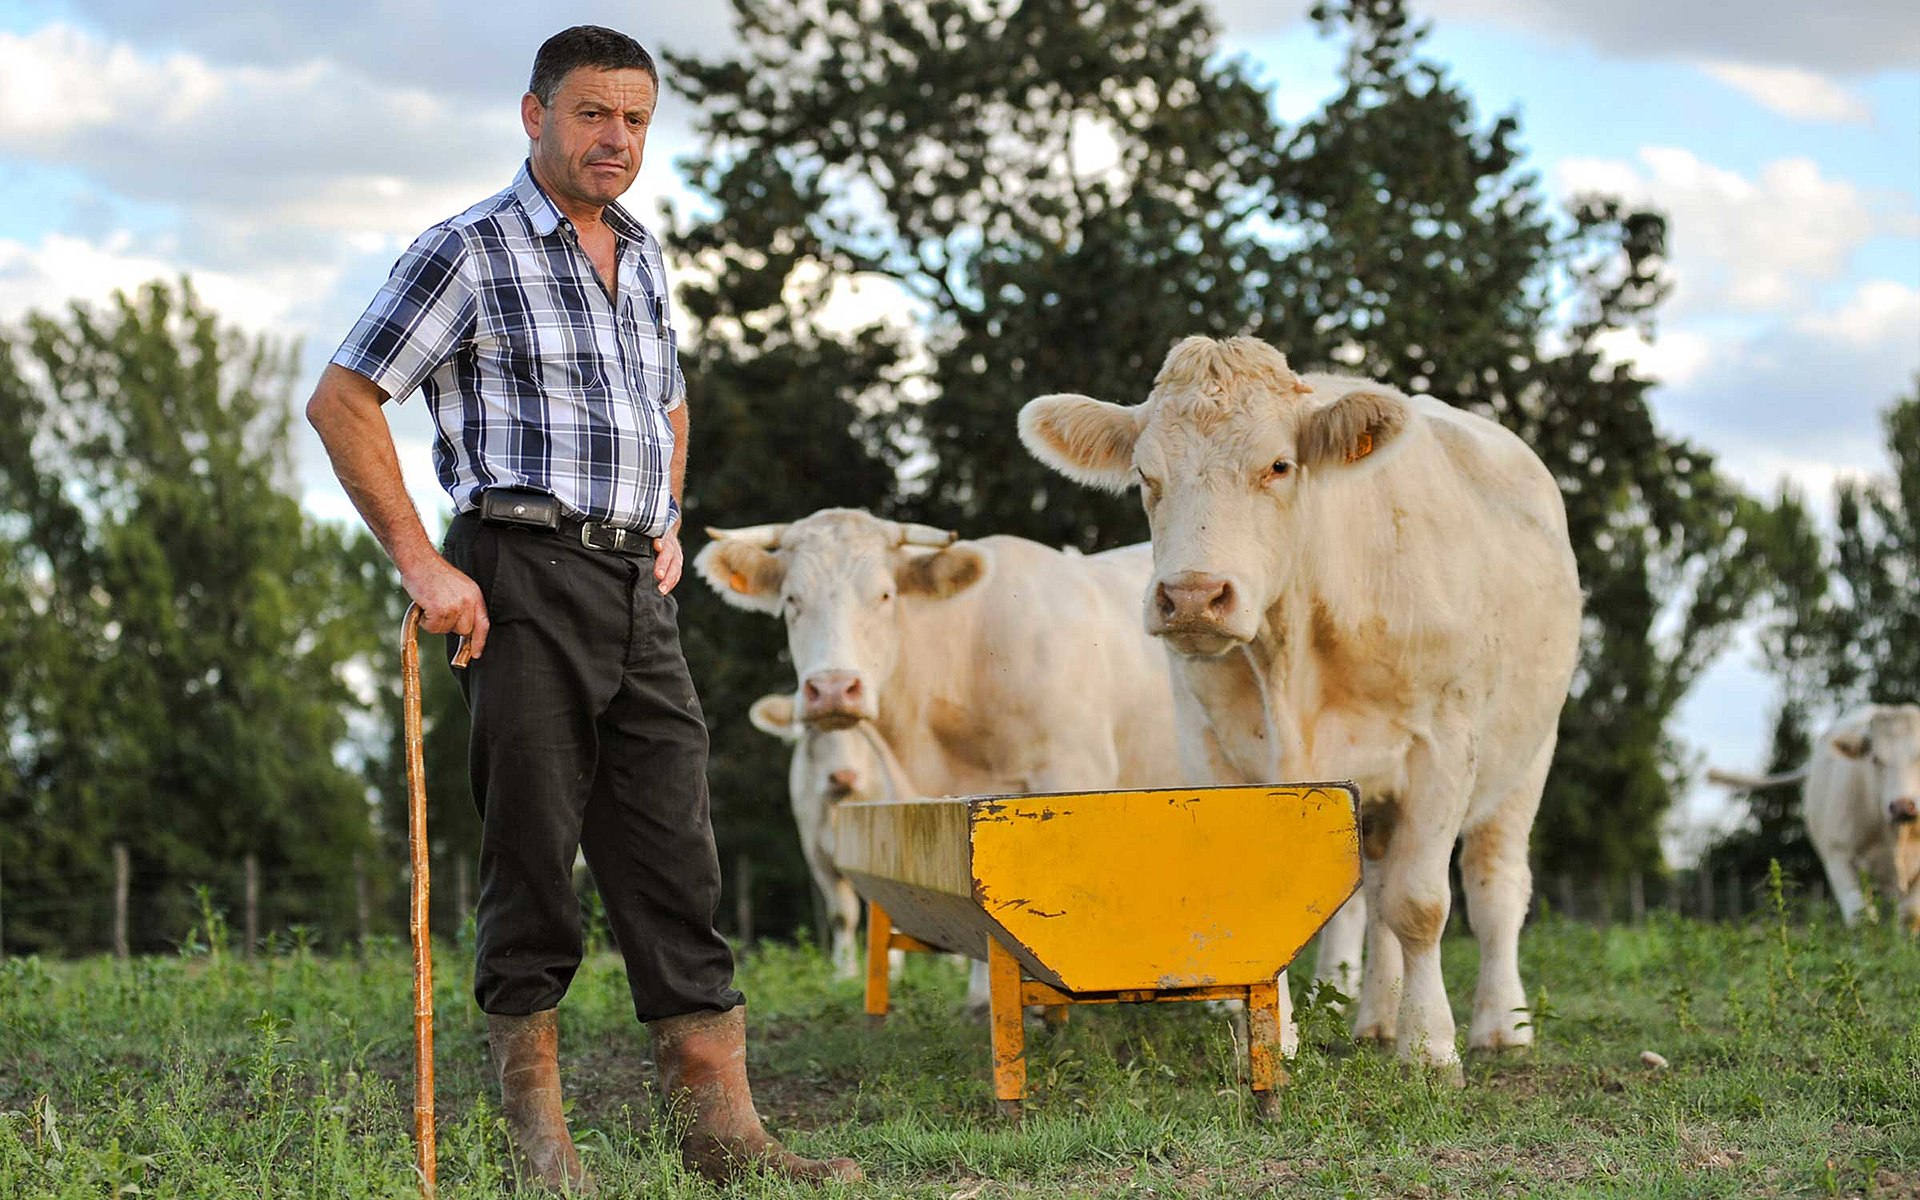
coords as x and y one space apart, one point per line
1862 805
830 767
1358 584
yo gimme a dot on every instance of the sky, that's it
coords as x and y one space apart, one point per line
283 155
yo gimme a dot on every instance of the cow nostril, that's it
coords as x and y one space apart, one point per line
1164 602
1222 600
812 692
853 688
1903 810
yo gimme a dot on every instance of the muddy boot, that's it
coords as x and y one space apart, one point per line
703 1075
526 1059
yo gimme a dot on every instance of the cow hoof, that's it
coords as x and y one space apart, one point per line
1451 1073
1374 1033
1501 1042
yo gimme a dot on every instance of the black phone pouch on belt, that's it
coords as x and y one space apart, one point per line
519 507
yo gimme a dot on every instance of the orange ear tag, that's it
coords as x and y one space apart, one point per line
1361 448
737 581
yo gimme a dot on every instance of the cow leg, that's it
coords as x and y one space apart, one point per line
979 989
844 915
1498 882
1843 881
1337 963
1378 1015
1416 893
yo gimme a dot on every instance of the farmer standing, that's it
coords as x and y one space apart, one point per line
537 326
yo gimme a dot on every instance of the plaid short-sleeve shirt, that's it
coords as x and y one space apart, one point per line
535 378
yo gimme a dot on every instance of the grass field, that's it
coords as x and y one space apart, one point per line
1795 1071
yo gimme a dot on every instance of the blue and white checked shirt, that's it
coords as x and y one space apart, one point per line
534 378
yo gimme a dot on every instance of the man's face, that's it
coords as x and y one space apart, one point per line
588 143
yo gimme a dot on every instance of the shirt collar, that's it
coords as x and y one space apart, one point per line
546 216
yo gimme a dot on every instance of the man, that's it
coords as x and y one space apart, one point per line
536 324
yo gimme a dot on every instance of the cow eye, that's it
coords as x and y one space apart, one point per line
1281 468
791 604
1148 484
885 596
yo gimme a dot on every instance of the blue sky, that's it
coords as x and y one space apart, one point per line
284 155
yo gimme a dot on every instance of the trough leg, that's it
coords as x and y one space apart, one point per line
1266 1062
879 943
1009 1029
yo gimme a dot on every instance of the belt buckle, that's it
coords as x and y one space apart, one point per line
586 535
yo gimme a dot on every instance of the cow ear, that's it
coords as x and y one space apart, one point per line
745 576
1358 428
773 714
1851 745
1087 440
941 574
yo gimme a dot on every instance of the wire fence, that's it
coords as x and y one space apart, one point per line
132 910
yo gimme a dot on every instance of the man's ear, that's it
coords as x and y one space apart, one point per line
1358 428
744 575
531 111
1087 440
773 713
1851 745
943 573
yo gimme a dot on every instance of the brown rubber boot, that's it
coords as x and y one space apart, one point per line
703 1074
526 1059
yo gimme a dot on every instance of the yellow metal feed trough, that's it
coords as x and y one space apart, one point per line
1107 897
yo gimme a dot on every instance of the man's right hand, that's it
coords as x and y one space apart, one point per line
449 601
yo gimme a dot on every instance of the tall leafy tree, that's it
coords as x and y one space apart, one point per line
185 624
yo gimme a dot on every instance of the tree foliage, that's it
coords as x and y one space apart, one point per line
176 628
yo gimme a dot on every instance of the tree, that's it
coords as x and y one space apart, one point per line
950 149
1872 633
186 624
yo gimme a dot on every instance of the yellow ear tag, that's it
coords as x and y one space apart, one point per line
1361 448
737 581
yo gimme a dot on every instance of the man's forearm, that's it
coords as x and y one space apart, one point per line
677 466
354 430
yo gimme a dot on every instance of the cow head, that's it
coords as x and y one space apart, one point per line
1890 745
1230 451
829 765
839 578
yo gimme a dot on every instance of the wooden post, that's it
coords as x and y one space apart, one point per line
122 886
253 903
1565 884
1637 898
462 890
3 923
879 941
363 907
743 898
1704 876
1736 896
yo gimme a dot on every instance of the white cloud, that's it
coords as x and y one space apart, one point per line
1676 358
1792 92
1881 313
60 268
1850 37
1740 243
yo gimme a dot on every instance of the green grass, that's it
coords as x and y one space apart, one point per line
1795 1071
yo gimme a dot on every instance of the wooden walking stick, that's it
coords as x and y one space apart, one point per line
423 1136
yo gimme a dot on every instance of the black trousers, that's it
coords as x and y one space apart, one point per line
587 734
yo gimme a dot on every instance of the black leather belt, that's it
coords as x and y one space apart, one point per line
598 535
539 512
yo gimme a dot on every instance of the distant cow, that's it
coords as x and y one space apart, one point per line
829 767
1862 805
1359 584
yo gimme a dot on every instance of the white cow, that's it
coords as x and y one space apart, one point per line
830 767
1862 805
1359 584
997 665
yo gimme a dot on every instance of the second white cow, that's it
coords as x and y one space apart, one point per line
1358 584
1862 805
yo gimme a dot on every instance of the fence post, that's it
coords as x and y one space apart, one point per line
363 909
1703 875
122 885
253 902
3 922
743 898
1637 898
462 890
1564 885
1736 896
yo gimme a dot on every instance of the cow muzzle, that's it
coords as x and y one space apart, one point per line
834 700
1903 811
1196 612
842 783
